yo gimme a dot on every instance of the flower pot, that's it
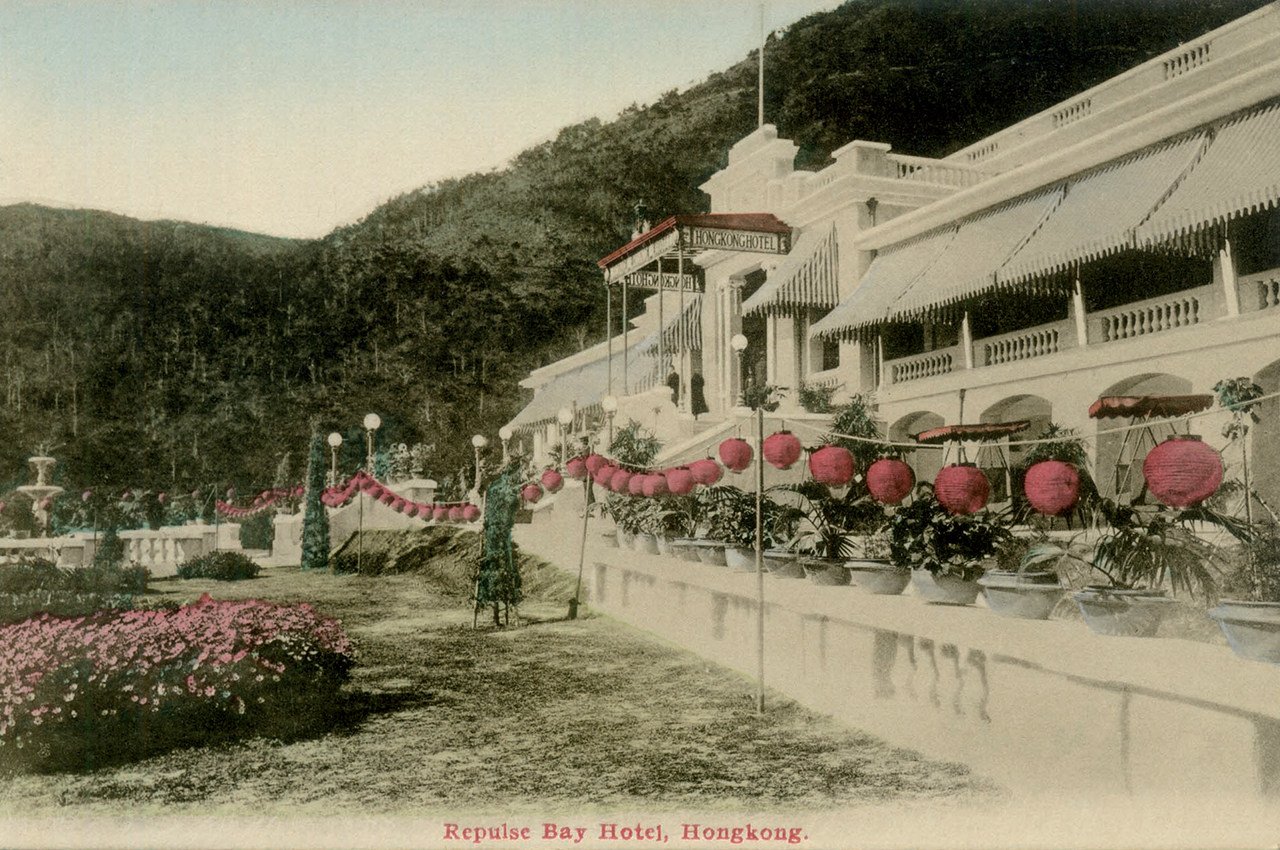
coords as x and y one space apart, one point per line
665 546
740 558
944 590
625 538
825 571
1252 628
646 543
783 564
1028 595
879 577
610 538
711 552
1122 612
686 547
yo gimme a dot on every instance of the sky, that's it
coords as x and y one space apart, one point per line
292 118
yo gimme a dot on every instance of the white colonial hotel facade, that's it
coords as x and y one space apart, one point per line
1124 242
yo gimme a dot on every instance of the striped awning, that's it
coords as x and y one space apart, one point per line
682 333
806 278
891 272
1238 174
585 386
1102 209
982 244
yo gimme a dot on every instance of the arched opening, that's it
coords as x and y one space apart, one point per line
1118 458
1006 481
925 461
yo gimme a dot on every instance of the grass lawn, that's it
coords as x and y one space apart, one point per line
587 714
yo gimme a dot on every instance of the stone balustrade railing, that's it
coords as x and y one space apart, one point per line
1260 291
924 170
1026 344
926 365
1152 316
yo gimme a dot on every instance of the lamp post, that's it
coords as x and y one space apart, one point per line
335 440
610 405
372 422
478 442
565 418
739 344
504 434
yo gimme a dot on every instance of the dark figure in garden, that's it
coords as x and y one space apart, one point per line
673 383
498 578
697 400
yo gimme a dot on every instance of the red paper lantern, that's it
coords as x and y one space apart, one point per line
1182 471
620 482
1052 487
455 513
425 511
636 485
552 481
576 468
88 494
398 504
782 449
594 462
531 493
655 485
832 465
735 453
962 488
440 513
387 497
680 480
470 512
375 489
706 471
889 480
603 474
162 497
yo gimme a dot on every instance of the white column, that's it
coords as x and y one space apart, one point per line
733 316
1224 268
966 340
1077 312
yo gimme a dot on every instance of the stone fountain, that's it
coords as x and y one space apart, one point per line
42 493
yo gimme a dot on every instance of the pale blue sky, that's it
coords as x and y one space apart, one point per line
294 117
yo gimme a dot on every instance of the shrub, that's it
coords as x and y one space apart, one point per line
223 566
35 586
115 686
257 531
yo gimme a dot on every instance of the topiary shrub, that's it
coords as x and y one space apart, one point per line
222 566
117 686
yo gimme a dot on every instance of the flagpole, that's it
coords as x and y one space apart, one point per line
760 86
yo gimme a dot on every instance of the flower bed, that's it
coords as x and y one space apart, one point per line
117 686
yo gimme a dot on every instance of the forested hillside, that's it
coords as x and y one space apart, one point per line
165 354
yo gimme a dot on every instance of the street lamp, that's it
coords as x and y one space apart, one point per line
565 418
739 344
478 442
335 440
610 405
504 434
372 422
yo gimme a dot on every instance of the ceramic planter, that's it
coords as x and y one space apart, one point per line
825 571
1027 595
610 538
711 552
686 547
944 590
879 577
1252 628
783 564
740 558
646 543
625 538
665 546
1122 612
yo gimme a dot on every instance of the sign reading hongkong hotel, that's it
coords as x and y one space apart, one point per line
718 239
666 281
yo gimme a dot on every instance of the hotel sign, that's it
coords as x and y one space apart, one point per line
717 239
667 281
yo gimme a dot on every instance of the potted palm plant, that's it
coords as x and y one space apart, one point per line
945 553
1032 589
825 529
781 537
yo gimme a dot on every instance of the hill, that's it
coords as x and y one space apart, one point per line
166 355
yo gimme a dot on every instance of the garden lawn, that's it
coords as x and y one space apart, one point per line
586 714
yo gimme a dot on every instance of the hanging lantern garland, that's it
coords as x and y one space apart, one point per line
576 468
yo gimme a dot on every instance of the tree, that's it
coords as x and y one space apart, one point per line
315 522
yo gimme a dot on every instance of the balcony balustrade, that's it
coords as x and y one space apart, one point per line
927 365
1025 344
1154 315
1260 291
